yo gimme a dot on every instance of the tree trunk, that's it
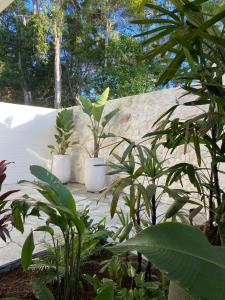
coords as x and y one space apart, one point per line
35 7
58 79
107 36
27 96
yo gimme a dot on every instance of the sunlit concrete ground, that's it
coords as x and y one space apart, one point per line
11 250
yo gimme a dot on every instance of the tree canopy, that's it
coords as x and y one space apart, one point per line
97 50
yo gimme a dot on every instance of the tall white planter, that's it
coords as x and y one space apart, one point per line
61 167
95 176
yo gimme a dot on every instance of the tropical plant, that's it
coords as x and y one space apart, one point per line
141 186
185 255
60 207
64 127
142 290
6 220
98 122
194 40
94 238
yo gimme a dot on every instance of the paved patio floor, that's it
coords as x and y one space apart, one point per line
11 250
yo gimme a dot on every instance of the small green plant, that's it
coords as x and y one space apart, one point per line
141 186
141 290
64 128
98 122
93 240
117 268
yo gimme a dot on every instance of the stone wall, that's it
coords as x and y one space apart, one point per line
136 117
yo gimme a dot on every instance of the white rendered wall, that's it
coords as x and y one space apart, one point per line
25 132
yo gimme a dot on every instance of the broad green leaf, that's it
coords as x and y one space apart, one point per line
184 253
47 229
103 98
85 104
27 251
65 196
40 290
98 107
17 218
106 291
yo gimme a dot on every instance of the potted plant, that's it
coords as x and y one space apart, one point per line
95 174
61 160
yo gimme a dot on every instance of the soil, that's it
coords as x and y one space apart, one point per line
17 283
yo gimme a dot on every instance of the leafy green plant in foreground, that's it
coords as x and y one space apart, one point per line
60 208
185 255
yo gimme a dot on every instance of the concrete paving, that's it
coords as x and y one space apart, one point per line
11 250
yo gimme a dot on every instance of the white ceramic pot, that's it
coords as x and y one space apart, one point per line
61 167
95 176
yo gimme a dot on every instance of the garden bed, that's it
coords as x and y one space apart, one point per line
17 283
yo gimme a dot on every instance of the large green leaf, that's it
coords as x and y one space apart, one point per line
85 104
183 252
27 251
65 197
40 290
99 105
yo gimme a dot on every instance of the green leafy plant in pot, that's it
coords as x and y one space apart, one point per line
61 159
95 174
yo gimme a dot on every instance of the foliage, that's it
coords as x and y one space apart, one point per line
60 207
5 212
93 240
84 48
193 37
95 110
184 253
65 128
108 289
142 172
142 183
125 51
